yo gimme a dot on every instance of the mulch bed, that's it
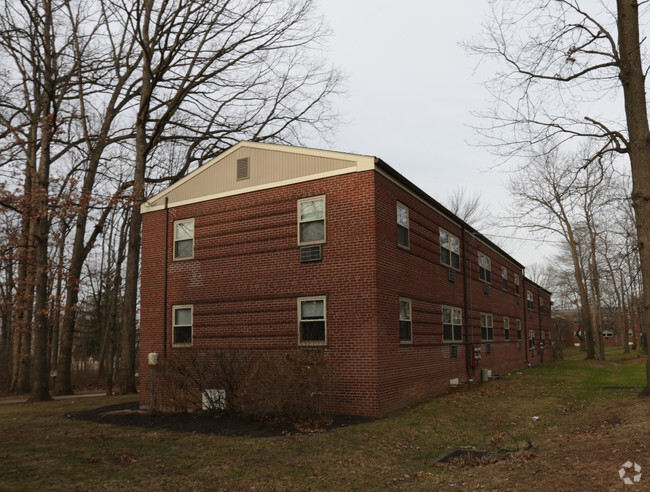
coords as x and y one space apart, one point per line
129 414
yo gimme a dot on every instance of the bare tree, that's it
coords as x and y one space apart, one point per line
559 59
468 207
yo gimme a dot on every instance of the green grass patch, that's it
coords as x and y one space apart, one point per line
42 448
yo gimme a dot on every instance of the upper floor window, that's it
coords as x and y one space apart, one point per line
184 239
516 284
518 325
506 328
405 323
182 329
541 305
504 277
484 268
451 324
312 328
529 300
402 225
449 249
487 328
311 220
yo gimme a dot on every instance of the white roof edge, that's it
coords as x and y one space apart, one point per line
364 163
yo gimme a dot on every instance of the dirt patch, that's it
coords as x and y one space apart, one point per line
129 414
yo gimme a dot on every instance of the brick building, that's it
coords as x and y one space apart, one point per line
273 247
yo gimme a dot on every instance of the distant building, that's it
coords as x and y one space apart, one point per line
567 328
274 247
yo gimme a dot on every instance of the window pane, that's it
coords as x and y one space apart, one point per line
455 260
402 215
182 334
457 317
311 210
446 316
445 256
447 332
402 236
184 249
312 309
454 245
444 239
184 230
312 331
404 310
405 330
183 316
457 333
312 231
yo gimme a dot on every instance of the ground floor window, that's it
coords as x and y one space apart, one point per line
452 321
312 329
405 323
183 325
506 329
531 339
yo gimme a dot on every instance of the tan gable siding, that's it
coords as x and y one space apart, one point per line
266 166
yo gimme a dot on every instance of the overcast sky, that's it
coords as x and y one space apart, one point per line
411 91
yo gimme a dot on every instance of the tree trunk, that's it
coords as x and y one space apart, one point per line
632 80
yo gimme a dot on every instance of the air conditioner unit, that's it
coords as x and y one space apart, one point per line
311 253
452 275
486 288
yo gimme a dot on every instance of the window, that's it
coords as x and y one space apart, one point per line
531 339
506 329
541 305
449 250
182 330
484 268
405 328
516 284
504 277
451 324
184 239
529 297
518 326
608 333
402 225
487 330
311 321
311 220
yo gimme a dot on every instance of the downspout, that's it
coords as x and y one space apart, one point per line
468 354
524 303
165 282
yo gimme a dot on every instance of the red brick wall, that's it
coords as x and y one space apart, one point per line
246 277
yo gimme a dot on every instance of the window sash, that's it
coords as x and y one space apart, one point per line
451 324
311 220
487 327
405 321
182 326
184 239
506 329
449 250
312 328
403 225
484 268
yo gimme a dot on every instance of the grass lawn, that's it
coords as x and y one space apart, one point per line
582 437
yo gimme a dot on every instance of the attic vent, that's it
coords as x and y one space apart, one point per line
486 288
242 169
310 253
452 275
453 350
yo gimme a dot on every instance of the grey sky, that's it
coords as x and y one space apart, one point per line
411 91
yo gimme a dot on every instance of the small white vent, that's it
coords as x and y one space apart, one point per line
242 169
311 253
214 399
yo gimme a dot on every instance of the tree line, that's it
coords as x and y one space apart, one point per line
101 104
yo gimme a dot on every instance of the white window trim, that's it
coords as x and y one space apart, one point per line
453 340
488 316
449 236
410 303
316 343
407 226
184 221
174 309
311 199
